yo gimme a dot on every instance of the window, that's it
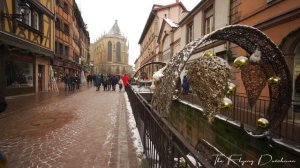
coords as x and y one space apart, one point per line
18 9
118 70
18 74
109 51
190 32
118 52
57 2
209 19
31 16
36 20
66 51
57 24
61 49
56 47
66 7
66 28
27 17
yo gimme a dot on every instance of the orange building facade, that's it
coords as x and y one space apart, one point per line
280 21
71 40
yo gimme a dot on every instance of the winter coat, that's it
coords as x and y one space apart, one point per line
98 80
125 79
3 103
185 84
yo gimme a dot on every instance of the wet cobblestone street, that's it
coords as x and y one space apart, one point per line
81 129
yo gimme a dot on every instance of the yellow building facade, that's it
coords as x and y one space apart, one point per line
110 53
26 45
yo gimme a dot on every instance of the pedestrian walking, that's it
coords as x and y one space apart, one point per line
109 82
97 82
78 81
114 82
125 80
105 83
66 78
3 103
120 83
3 160
185 85
69 81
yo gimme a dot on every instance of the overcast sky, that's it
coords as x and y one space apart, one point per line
100 15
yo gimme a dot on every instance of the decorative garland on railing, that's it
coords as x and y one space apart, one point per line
271 63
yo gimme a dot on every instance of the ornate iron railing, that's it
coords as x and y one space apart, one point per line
241 112
164 147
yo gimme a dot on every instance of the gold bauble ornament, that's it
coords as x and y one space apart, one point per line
226 103
274 80
262 122
240 62
208 54
174 97
231 88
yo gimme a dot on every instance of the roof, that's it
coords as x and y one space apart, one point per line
193 12
155 9
115 30
172 24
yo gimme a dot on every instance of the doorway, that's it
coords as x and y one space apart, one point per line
41 70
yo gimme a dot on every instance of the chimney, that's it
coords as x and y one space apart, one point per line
177 1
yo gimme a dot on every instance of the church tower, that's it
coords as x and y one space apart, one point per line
110 53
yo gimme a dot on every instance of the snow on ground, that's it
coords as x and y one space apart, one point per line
132 126
141 89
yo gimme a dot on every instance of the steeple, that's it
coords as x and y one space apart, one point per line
115 30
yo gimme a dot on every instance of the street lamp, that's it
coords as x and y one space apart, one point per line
23 4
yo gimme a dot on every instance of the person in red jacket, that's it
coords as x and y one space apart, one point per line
125 80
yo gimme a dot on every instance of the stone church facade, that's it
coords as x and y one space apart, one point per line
110 53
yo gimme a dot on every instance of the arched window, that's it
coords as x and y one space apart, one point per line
109 51
118 54
118 70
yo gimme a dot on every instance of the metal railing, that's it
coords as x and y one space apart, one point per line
241 112
164 147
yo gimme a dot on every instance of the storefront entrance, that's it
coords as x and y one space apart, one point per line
41 70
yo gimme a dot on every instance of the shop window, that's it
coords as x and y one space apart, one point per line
18 74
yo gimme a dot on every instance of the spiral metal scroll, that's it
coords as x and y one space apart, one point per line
250 39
